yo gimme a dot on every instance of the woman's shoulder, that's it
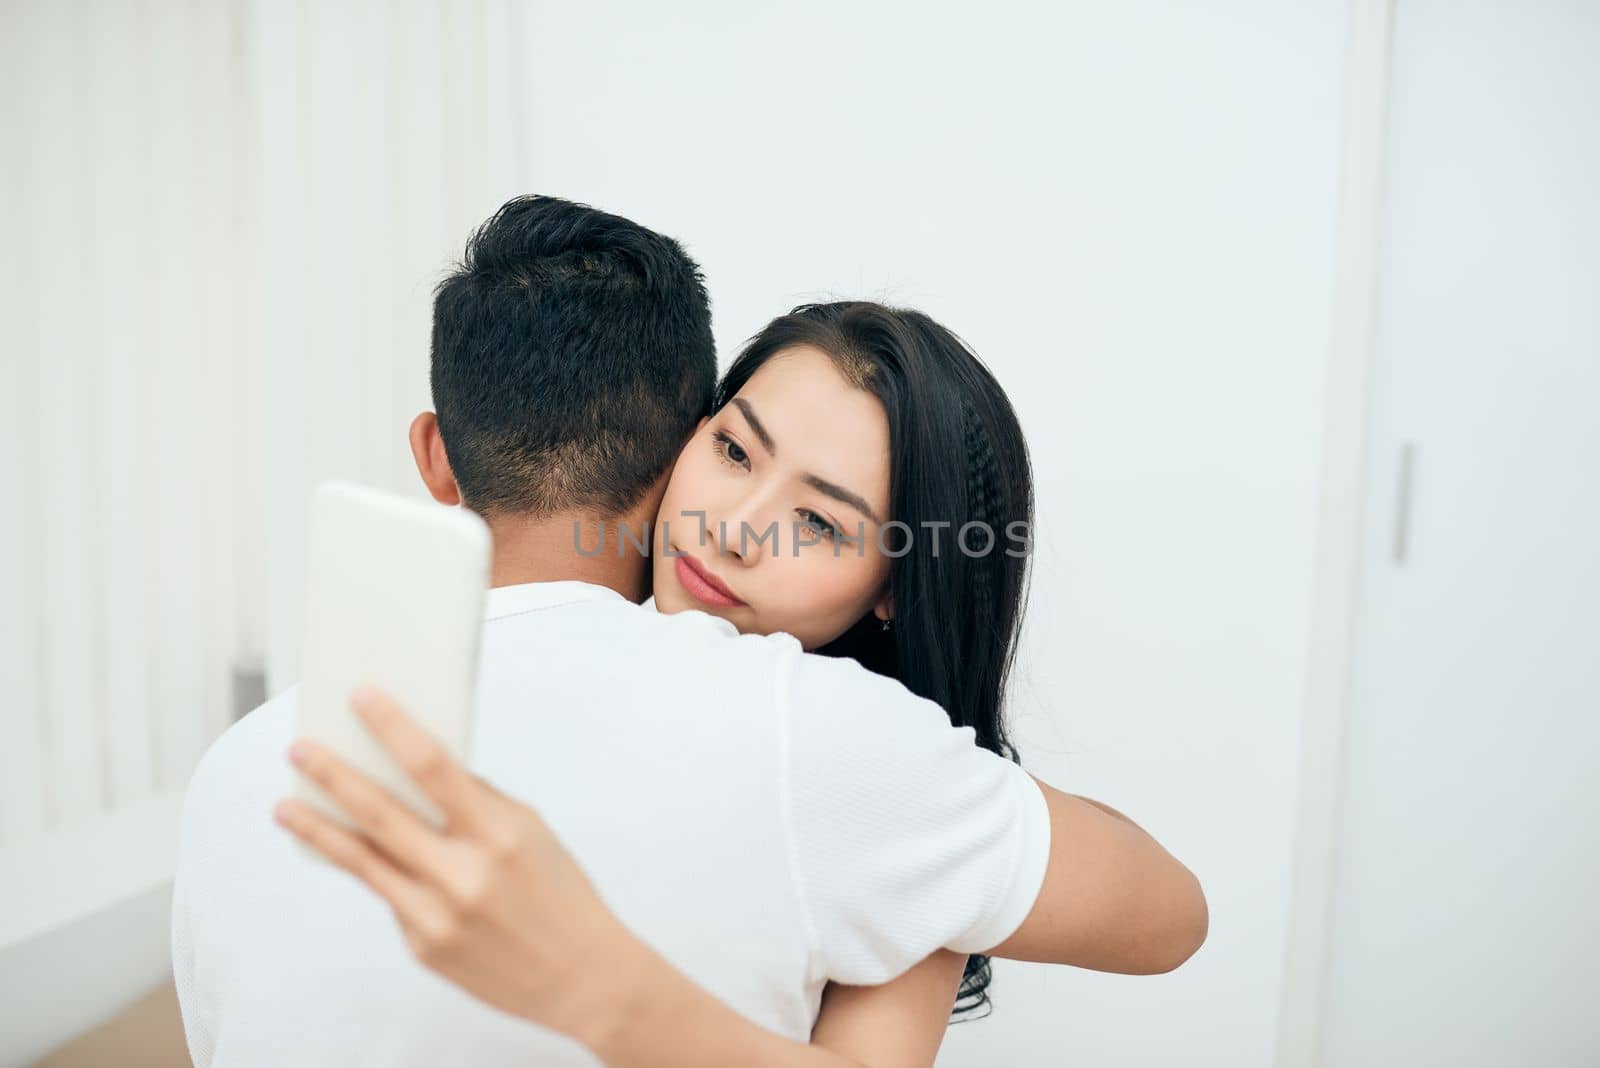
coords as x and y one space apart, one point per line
691 624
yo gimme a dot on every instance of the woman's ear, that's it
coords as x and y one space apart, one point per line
884 609
427 448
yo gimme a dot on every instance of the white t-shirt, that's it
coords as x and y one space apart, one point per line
767 819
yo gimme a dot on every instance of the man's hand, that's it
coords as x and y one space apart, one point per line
493 902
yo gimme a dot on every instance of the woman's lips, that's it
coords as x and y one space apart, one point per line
702 585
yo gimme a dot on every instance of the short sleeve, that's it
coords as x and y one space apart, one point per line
907 836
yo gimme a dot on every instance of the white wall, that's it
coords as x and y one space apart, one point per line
1128 210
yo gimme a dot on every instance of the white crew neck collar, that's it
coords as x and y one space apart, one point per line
504 601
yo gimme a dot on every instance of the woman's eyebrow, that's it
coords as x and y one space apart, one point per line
755 425
837 492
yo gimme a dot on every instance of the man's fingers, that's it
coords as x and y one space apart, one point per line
376 813
423 759
413 904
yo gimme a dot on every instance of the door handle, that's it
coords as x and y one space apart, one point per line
1402 502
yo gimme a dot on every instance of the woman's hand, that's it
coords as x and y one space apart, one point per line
493 902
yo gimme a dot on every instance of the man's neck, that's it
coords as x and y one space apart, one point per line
547 550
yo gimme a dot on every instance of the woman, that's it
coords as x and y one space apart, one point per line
909 556
873 396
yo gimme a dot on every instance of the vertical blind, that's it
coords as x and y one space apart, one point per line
222 226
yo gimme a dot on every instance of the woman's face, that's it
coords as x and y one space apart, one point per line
795 463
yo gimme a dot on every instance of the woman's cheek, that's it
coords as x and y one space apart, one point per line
825 596
683 498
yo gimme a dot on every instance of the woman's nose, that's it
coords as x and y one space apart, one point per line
746 534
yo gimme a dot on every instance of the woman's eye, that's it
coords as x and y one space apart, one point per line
729 450
815 521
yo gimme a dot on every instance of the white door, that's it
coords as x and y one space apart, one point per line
1466 923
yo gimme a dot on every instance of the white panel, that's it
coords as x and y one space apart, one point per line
380 444
212 268
276 49
1337 561
1464 928
119 83
505 106
466 111
252 368
69 479
334 50
177 491
22 797
425 249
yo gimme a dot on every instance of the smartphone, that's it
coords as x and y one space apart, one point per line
395 600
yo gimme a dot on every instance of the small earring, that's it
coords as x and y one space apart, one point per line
886 624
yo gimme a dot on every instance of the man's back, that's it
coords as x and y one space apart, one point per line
661 750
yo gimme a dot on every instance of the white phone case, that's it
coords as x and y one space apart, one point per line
394 600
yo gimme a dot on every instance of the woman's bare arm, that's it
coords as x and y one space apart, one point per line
669 1022
1113 899
897 1025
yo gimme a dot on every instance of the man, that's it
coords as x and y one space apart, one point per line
767 820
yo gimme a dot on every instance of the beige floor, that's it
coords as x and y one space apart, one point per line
147 1034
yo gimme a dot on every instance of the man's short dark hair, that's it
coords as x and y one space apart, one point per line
572 356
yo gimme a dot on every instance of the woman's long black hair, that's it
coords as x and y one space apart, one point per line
957 457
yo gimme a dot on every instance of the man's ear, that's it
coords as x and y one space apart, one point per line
427 448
